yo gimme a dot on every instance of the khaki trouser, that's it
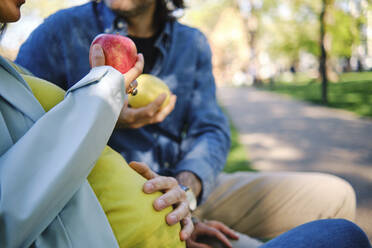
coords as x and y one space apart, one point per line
266 204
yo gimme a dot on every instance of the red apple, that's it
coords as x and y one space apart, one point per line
120 51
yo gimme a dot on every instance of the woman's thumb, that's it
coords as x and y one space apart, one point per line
96 56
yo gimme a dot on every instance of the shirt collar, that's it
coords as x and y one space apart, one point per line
166 32
163 41
107 17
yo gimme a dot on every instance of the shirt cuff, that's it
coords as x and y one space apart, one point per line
206 174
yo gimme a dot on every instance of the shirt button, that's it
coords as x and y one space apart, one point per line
154 135
166 164
121 25
107 30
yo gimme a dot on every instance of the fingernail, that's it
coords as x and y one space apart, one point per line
97 50
183 236
149 187
161 203
173 218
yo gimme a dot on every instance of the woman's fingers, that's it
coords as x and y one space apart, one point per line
132 88
97 56
135 71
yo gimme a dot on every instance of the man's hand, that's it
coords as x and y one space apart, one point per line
150 114
190 180
211 229
173 196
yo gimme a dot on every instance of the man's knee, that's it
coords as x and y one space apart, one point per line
339 192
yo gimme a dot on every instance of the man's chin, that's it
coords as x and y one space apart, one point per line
13 17
128 10
127 14
16 18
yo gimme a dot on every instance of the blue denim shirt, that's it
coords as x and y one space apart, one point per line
194 137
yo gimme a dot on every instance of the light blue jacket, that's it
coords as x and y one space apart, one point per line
45 158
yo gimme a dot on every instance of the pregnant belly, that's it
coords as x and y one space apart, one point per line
129 210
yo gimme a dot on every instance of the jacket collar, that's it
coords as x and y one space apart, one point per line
15 90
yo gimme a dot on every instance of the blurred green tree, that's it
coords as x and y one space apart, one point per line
331 31
44 8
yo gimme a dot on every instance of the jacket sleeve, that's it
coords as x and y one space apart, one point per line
41 172
206 144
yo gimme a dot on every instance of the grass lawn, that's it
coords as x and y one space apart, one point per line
353 92
237 159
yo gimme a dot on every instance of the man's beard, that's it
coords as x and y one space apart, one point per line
140 8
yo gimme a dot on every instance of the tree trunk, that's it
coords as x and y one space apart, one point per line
251 28
360 65
347 67
254 64
323 52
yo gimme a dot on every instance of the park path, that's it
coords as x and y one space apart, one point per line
280 133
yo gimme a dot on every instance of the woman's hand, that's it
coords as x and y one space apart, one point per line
98 59
173 196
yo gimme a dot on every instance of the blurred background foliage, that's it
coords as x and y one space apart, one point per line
295 47
270 38
44 8
33 13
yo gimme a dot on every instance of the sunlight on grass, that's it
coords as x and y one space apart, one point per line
356 76
353 92
237 159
